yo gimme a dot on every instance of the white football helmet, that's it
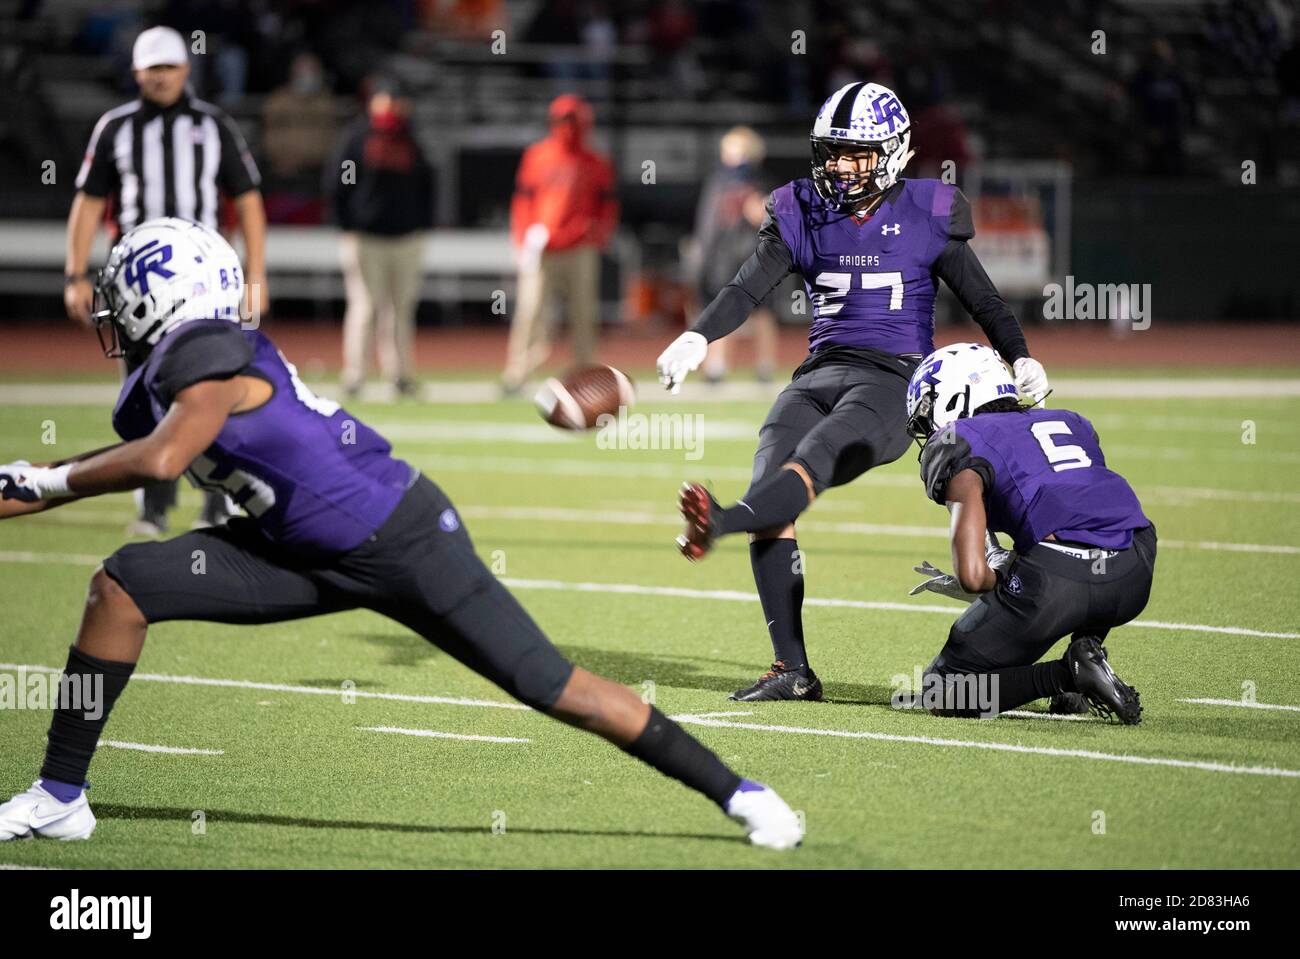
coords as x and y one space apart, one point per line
953 382
161 274
860 116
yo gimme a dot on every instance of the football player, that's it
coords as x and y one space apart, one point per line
871 248
334 522
1084 551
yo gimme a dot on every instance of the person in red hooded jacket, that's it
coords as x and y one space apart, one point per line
562 215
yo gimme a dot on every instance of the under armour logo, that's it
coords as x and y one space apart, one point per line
150 258
886 229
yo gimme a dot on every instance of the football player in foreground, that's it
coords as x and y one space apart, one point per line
335 522
871 248
1084 552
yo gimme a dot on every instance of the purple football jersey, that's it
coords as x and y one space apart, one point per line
312 478
1043 473
870 283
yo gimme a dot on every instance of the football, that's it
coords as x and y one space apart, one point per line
576 400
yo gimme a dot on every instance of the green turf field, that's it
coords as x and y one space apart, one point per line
584 535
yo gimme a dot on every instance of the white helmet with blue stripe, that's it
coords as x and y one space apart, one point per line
859 117
161 274
954 382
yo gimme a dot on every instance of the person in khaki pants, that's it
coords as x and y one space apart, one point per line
382 190
562 215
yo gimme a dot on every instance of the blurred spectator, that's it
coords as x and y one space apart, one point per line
382 191
730 211
298 136
946 139
563 213
298 120
1164 110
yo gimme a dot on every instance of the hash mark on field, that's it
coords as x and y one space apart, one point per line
284 688
434 734
171 750
1238 702
1001 747
1030 714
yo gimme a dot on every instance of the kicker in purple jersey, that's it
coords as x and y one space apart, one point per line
1043 473
870 283
312 477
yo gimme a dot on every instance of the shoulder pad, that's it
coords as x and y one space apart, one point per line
211 351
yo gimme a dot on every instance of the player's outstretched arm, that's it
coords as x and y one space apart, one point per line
758 276
965 501
192 423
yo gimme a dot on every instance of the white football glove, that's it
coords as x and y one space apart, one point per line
1030 377
684 355
945 584
997 557
22 481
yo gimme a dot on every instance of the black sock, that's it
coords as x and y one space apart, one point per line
73 732
674 752
780 590
775 501
1018 685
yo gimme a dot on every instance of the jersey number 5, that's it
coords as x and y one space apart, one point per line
1062 458
837 284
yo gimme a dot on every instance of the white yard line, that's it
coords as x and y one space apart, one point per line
729 595
1239 703
562 514
434 734
726 595
170 750
1030 714
286 688
998 747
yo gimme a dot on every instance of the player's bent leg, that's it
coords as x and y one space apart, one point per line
492 634
97 670
205 575
989 663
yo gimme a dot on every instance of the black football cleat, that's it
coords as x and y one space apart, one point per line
782 683
1068 704
701 512
1107 694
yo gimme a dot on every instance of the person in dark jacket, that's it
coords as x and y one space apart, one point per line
382 191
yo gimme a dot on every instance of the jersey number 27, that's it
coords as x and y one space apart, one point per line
831 285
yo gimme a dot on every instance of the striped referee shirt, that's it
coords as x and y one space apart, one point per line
166 161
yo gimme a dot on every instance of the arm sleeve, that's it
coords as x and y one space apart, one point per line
237 173
205 353
758 276
959 267
946 454
98 174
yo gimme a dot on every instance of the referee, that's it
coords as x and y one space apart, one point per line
165 154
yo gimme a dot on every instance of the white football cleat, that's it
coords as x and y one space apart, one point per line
37 813
768 821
